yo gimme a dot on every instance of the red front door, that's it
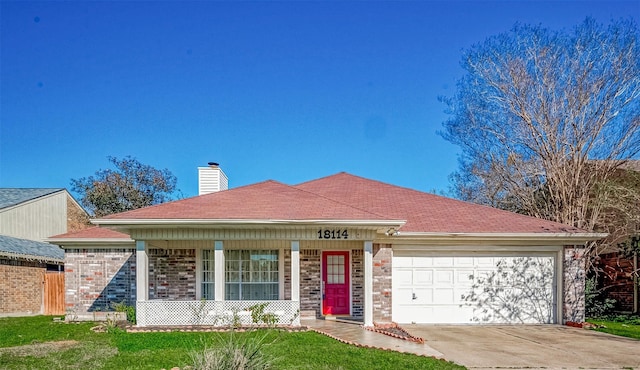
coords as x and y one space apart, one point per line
335 283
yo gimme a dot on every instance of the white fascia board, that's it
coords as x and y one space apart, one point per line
93 241
132 223
520 237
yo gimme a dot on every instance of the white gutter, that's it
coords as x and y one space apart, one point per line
573 237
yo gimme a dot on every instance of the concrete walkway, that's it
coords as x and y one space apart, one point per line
354 333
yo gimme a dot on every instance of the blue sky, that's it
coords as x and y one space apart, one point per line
289 91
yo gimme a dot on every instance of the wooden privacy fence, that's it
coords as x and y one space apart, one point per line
54 293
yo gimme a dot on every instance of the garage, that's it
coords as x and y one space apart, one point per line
474 288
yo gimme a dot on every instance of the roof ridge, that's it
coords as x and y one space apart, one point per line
321 178
340 202
5 194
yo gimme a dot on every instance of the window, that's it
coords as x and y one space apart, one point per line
251 275
335 269
208 274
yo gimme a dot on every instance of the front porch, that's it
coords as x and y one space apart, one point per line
217 282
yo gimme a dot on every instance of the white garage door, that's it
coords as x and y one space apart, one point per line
474 289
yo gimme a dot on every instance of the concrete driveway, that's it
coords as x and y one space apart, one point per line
529 346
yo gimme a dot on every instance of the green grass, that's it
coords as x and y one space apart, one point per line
623 326
40 343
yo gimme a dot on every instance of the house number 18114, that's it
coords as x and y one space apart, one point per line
333 234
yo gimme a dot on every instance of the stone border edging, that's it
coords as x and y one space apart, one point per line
361 345
380 328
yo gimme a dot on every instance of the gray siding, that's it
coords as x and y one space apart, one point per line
37 219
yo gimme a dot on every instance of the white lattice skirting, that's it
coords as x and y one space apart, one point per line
212 313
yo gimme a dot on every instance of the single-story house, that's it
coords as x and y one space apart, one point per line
340 245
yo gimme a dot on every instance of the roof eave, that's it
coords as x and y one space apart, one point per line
31 257
159 223
563 237
94 241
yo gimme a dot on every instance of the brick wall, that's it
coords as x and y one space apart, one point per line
310 295
97 278
382 265
574 284
287 274
617 280
172 274
21 286
357 283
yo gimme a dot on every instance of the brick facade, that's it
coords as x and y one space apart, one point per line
310 278
617 279
95 279
172 274
574 284
287 274
382 295
357 283
21 286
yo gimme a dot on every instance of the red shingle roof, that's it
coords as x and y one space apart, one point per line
92 232
269 200
427 212
346 197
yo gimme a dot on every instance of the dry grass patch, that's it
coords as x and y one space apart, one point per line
40 349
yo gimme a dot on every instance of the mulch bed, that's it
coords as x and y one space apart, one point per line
395 331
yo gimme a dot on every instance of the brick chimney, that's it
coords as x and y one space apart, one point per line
211 179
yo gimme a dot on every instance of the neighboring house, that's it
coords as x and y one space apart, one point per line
618 278
37 213
341 245
32 279
26 288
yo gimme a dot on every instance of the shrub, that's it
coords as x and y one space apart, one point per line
235 352
239 351
130 311
596 304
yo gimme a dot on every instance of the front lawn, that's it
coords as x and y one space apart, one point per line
623 326
40 343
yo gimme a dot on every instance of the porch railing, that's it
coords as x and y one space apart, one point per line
213 313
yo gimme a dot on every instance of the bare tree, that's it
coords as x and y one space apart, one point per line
546 118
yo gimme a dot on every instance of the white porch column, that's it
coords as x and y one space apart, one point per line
295 270
218 256
368 283
142 271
